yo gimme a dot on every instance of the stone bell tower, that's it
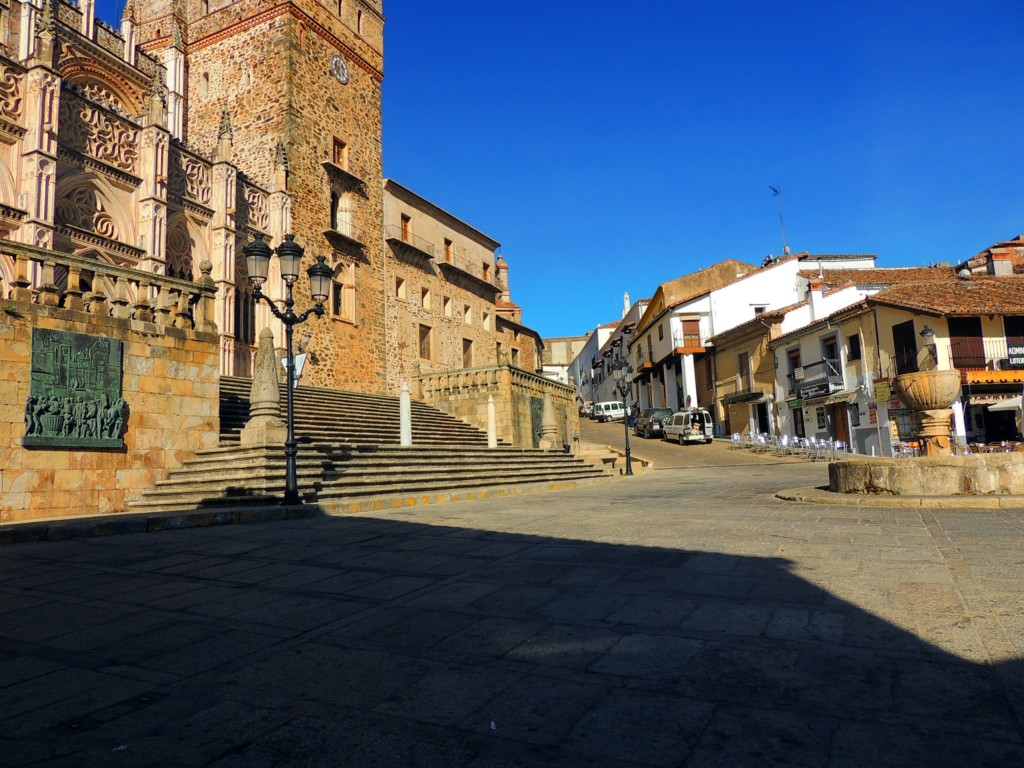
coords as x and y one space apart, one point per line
301 85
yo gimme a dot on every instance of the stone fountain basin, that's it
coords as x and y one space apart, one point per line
982 475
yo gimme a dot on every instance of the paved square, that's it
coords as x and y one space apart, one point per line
681 617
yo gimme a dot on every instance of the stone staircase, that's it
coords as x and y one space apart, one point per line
350 460
336 416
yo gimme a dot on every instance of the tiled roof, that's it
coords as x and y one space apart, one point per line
844 278
978 295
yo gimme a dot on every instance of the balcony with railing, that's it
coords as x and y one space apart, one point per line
642 360
818 379
345 233
406 242
989 360
740 388
687 342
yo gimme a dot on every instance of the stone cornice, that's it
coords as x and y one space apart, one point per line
122 178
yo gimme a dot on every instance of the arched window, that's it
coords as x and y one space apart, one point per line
204 85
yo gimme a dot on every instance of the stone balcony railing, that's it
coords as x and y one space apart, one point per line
49 278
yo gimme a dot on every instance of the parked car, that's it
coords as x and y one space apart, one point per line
690 425
610 410
649 422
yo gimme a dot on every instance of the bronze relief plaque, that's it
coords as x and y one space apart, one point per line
75 395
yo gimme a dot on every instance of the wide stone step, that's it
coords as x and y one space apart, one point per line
326 415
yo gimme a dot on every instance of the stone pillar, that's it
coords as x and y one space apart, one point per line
265 426
549 440
492 423
933 430
405 416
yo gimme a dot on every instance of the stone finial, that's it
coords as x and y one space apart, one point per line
264 426
176 37
225 125
225 137
129 12
157 94
48 21
280 168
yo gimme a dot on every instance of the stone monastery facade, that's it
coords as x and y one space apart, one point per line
168 144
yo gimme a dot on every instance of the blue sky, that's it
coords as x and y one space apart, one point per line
610 147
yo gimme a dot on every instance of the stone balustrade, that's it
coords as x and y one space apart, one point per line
54 279
518 397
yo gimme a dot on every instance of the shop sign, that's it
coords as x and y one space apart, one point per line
1015 352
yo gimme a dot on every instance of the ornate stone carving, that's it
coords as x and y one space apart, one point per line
10 93
256 202
197 177
95 133
83 209
75 397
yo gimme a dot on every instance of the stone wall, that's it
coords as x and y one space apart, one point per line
993 474
170 385
518 401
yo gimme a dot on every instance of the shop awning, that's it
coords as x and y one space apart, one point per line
993 399
843 396
1009 404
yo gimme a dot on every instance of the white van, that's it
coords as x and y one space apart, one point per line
612 410
690 425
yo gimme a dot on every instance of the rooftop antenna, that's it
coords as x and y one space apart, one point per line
778 199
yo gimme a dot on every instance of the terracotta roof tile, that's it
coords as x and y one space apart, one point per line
978 295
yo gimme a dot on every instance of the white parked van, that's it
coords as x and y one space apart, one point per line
690 425
612 410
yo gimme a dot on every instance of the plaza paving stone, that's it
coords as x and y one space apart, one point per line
683 617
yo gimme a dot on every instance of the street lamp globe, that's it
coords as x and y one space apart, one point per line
320 277
257 260
290 254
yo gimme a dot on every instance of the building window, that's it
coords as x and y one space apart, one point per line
467 353
425 298
486 269
341 7
204 85
661 332
400 288
406 228
447 306
487 321
340 154
341 213
448 250
743 370
515 357
343 293
830 351
425 346
359 22
467 314
206 7
854 351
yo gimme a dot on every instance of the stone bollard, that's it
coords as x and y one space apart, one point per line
492 423
405 416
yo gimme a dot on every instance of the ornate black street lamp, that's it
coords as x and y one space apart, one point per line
257 261
622 371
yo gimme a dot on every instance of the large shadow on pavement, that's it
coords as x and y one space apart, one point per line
369 642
